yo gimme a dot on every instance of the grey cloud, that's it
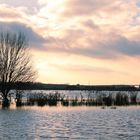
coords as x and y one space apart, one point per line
90 24
126 47
111 49
34 39
114 48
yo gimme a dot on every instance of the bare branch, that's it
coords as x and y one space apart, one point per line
15 60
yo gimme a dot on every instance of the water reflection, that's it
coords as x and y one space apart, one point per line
70 123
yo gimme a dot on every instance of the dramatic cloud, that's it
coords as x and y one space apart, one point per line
105 29
93 28
34 39
111 46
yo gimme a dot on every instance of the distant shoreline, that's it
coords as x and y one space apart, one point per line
42 86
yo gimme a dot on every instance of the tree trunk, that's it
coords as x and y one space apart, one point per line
5 102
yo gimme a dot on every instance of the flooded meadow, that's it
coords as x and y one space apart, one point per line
58 123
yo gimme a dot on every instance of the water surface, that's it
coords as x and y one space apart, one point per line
58 123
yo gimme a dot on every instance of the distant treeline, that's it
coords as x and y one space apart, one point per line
41 86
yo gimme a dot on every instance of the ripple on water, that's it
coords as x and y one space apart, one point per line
70 123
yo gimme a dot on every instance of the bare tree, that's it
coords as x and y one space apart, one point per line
15 62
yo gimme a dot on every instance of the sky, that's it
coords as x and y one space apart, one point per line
79 41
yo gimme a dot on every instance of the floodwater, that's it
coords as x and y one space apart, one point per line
77 123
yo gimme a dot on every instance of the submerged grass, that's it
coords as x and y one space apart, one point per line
99 99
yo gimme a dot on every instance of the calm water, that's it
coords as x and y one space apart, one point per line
58 123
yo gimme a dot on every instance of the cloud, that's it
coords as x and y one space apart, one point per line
90 24
30 7
82 7
95 28
125 46
99 29
34 39
113 46
9 13
86 68
98 8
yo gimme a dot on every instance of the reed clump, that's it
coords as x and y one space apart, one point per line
97 98
42 99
